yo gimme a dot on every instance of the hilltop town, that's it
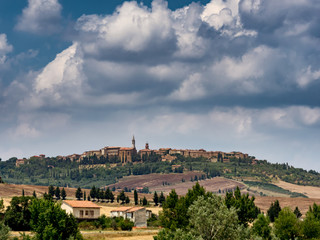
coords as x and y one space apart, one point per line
131 154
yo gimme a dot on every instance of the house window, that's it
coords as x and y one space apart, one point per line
91 213
87 212
81 213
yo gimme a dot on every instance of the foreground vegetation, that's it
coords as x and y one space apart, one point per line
43 217
204 216
199 215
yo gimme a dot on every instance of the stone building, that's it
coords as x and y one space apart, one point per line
138 215
81 209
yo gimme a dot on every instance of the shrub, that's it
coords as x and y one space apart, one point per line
126 225
4 231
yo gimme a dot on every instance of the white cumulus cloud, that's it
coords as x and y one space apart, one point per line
5 47
40 17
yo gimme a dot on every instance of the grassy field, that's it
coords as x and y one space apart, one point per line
120 235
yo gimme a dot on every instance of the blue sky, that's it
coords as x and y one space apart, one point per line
230 75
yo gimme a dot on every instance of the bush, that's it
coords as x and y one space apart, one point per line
261 227
84 225
154 221
126 225
4 231
286 226
104 222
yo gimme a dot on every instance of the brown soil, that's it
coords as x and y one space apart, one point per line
11 190
167 182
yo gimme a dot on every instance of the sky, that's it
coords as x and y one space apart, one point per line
222 75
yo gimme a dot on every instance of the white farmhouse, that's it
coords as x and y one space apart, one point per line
81 209
138 215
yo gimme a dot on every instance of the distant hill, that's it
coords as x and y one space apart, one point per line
258 175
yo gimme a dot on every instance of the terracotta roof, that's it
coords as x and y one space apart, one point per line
121 209
81 204
135 209
126 148
127 209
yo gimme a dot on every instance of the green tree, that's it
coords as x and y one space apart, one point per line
161 198
127 200
286 226
144 201
34 194
274 211
246 209
310 226
155 198
84 196
122 197
79 193
175 210
297 212
1 205
57 193
315 210
168 216
135 196
93 192
211 219
51 190
126 225
17 215
4 231
261 227
107 195
49 221
111 197
63 194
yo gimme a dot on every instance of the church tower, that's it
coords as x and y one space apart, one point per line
133 143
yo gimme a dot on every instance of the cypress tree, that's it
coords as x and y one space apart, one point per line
57 193
63 194
155 198
135 197
79 193
161 198
144 201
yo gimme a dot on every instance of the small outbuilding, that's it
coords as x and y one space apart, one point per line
81 209
138 215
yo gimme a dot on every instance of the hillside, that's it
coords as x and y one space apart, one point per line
9 190
260 176
166 182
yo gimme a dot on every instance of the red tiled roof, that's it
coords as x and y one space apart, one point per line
121 209
134 209
81 204
126 148
127 209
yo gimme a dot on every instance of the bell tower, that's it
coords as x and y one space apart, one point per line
133 142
